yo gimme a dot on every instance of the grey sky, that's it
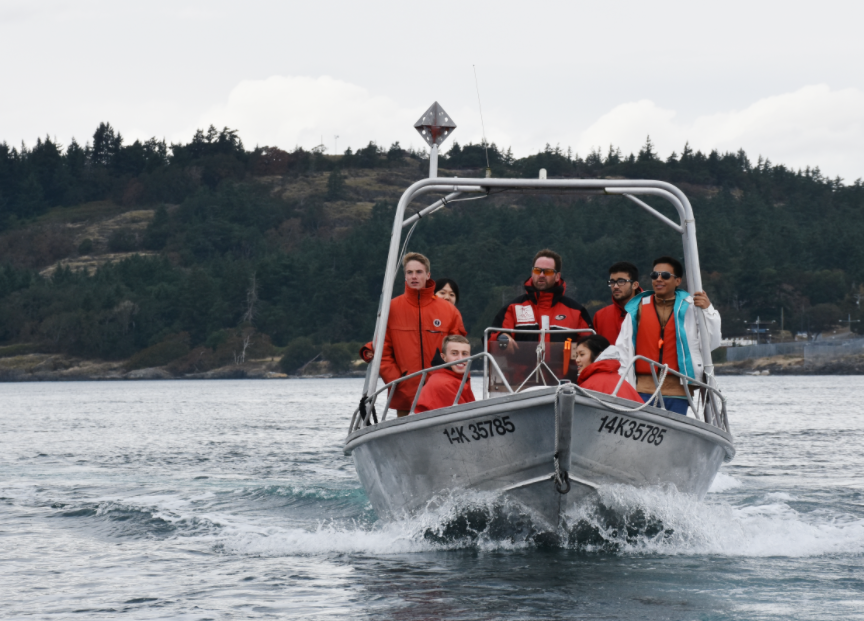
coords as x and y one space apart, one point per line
779 79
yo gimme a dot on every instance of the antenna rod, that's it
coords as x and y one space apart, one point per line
482 124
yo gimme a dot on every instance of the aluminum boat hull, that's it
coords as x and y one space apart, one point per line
507 445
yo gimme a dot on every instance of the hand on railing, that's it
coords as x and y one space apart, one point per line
701 409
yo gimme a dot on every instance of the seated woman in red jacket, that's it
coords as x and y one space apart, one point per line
598 364
441 386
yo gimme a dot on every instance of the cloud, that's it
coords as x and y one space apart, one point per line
813 126
287 111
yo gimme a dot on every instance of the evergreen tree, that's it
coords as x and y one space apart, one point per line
335 185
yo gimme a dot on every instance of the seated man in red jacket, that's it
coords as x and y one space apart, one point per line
417 324
598 364
544 296
442 385
624 283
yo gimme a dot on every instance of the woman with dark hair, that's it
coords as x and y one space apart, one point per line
447 289
599 364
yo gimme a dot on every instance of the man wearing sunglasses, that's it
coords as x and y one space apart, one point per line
544 296
624 283
662 326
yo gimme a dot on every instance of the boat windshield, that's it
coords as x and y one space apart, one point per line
531 363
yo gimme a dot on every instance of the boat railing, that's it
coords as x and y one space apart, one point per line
366 415
704 402
538 359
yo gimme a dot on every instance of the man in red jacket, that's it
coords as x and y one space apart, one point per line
544 296
417 324
624 283
442 386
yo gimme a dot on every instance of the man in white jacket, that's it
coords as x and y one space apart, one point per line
661 325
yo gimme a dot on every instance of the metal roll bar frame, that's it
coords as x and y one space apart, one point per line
454 187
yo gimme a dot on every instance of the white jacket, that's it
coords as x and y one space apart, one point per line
692 353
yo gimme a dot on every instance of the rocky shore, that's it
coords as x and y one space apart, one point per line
794 365
59 368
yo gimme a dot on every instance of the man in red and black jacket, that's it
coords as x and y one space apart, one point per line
624 283
544 295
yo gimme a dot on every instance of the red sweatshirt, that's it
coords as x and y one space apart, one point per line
602 376
608 320
440 390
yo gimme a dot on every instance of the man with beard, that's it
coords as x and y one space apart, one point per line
544 296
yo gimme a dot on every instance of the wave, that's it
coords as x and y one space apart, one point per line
122 519
618 520
296 520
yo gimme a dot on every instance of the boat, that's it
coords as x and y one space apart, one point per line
534 437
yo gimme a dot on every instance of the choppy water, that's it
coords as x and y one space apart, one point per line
232 500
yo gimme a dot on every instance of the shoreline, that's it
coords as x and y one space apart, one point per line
60 368
794 365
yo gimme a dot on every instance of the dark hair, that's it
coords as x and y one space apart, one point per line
675 263
628 268
551 254
595 344
440 283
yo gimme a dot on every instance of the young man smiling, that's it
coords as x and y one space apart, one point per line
624 283
662 326
442 386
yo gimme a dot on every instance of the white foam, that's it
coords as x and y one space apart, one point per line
717 528
394 537
723 482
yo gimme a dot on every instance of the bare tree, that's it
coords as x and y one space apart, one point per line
251 299
241 358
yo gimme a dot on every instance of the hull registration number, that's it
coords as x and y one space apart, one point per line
628 428
480 430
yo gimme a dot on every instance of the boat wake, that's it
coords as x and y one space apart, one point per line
284 521
618 520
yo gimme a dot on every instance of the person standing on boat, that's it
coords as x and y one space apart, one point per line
624 283
416 326
544 296
447 290
442 386
662 326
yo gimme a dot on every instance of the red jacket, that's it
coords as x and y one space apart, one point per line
602 376
525 312
417 324
608 320
440 390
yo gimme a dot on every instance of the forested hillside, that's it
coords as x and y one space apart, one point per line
202 253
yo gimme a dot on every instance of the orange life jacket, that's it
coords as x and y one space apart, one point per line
653 342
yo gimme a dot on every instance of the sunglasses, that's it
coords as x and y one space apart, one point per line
548 272
663 275
620 282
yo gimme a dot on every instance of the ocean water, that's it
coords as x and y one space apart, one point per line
233 500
